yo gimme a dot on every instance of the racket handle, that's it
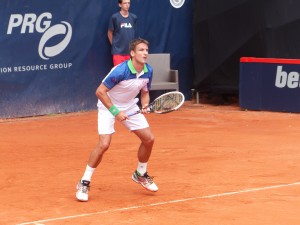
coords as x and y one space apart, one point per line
134 113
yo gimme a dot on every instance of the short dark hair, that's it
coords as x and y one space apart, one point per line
120 1
135 42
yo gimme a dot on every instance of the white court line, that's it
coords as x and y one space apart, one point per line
40 222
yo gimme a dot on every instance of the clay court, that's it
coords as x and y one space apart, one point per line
214 165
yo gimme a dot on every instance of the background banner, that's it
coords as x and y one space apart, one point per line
54 54
270 84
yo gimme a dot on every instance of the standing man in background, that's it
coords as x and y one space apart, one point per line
121 30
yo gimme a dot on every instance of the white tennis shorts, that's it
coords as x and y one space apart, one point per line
106 120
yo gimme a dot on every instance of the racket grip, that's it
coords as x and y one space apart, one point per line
133 113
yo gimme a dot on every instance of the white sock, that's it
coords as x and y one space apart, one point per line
88 173
142 168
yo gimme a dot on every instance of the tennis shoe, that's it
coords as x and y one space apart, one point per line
146 181
83 188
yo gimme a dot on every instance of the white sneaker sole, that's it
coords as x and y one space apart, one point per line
138 182
78 198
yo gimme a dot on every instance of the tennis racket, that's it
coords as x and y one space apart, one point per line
165 103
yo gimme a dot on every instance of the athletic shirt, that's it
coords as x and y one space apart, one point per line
123 32
125 84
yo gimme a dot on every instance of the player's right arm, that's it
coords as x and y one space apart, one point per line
101 93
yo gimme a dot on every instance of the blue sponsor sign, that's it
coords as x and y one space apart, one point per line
54 54
270 84
47 62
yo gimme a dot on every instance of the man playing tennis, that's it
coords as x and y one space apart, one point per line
116 99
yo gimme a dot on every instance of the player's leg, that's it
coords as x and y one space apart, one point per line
147 141
140 127
105 129
98 152
144 152
95 158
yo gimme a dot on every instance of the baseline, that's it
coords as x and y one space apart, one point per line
40 222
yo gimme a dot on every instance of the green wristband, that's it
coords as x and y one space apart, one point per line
114 110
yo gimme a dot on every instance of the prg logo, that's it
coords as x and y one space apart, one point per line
30 23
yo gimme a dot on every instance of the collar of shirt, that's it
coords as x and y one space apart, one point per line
132 69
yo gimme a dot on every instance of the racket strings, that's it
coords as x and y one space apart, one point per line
168 103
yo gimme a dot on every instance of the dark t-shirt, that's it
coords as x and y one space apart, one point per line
124 30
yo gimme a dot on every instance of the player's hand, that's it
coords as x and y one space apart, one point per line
145 109
121 116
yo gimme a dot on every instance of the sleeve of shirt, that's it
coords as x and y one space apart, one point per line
112 79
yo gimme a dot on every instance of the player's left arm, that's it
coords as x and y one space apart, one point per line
145 100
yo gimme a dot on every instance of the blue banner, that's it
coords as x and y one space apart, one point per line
54 54
270 84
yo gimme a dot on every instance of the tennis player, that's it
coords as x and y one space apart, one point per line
116 99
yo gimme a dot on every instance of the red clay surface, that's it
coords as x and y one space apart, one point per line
214 165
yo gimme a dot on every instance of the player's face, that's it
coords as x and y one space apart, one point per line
140 53
125 5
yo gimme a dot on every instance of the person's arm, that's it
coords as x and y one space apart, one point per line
110 36
101 93
145 100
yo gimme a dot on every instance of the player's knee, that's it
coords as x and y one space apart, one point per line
102 147
150 140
